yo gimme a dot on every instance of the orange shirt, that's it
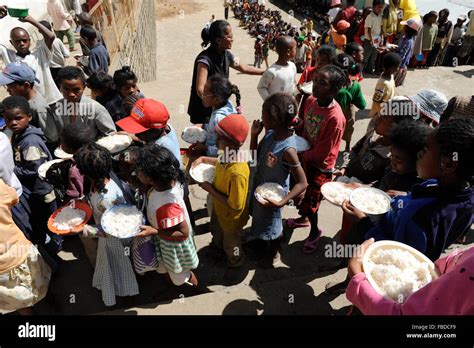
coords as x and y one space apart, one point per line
339 40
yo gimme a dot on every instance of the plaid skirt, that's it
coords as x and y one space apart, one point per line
312 197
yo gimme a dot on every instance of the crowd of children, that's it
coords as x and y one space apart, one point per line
421 155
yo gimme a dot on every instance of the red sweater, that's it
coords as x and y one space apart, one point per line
323 128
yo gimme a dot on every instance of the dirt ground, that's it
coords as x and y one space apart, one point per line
166 9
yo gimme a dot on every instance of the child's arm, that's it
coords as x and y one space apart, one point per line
264 84
434 298
104 122
33 158
237 195
257 127
47 34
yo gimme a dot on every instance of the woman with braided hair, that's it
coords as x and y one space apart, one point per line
113 273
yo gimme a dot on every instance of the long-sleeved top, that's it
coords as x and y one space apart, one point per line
29 153
44 118
405 50
323 128
429 219
98 60
59 53
87 111
450 294
59 15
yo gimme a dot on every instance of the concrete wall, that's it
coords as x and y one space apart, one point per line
138 47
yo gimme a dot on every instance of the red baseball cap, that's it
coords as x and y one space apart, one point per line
146 114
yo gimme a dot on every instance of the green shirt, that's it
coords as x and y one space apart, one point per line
429 36
351 94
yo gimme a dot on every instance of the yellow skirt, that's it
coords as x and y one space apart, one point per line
26 284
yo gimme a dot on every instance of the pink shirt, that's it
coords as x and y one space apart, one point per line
451 294
59 15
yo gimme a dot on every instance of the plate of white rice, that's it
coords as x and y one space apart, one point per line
370 200
115 143
69 218
396 270
43 169
60 153
203 172
194 135
122 221
270 190
336 192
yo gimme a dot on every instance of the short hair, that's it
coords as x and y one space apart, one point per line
391 60
337 77
283 43
353 47
18 29
71 73
14 102
46 24
88 32
378 2
76 135
410 137
328 51
456 137
281 107
100 80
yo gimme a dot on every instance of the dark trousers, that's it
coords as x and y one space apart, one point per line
226 13
370 55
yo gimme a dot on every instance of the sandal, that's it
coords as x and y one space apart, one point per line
291 223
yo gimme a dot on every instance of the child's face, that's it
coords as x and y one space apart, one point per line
359 56
322 88
128 89
17 120
150 135
209 99
383 125
267 120
18 89
400 161
72 90
291 52
144 179
378 9
432 19
429 161
321 61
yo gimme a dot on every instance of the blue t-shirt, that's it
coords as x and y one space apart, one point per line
171 142
217 116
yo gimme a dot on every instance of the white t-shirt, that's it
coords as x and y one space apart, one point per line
277 79
39 61
7 165
59 53
332 13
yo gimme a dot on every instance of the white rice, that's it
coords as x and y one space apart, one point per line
194 135
370 201
69 218
271 190
203 172
398 273
122 221
115 143
336 192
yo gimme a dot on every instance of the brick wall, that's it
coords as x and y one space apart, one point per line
138 46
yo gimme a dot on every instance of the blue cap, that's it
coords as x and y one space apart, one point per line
17 72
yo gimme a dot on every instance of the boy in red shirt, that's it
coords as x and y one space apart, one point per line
323 125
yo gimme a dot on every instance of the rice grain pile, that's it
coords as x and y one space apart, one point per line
194 135
68 218
271 190
336 192
115 143
122 221
203 172
370 201
398 272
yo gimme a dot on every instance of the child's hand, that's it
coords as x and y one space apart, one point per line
393 193
355 263
147 231
271 203
257 127
206 186
3 11
352 211
27 19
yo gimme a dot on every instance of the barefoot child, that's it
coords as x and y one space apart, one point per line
323 126
167 214
230 188
276 160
